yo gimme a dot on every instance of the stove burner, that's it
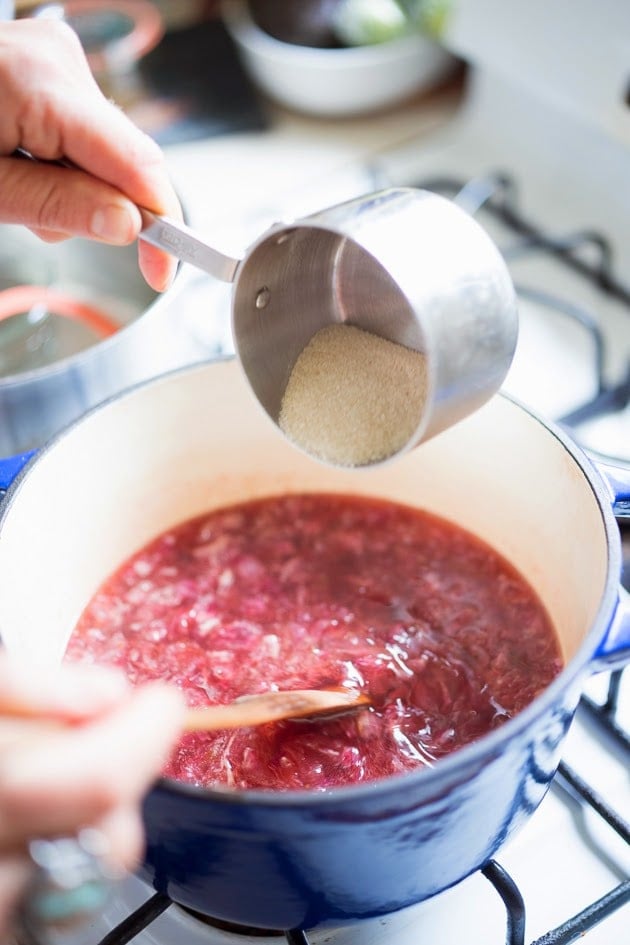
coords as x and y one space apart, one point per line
498 193
233 927
565 934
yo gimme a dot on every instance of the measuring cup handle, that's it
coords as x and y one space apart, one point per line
178 240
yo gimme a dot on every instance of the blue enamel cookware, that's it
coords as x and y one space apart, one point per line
195 439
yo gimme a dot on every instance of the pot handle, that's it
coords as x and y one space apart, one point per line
614 650
618 480
180 241
11 466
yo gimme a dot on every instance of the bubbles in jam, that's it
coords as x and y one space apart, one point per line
315 590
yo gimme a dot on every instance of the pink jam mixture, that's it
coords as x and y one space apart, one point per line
317 590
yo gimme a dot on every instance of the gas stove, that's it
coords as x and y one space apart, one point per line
538 151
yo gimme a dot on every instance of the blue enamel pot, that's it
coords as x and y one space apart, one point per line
189 441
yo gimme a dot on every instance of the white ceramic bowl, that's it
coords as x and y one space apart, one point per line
335 82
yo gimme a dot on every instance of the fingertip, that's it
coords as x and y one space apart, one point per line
158 268
166 698
166 707
123 831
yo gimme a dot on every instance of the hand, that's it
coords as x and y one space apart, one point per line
53 108
83 754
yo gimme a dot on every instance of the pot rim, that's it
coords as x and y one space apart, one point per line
469 756
159 300
73 361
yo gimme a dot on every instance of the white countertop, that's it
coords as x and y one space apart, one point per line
234 186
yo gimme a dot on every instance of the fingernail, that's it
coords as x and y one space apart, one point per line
113 224
169 277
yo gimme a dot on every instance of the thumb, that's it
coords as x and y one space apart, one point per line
65 200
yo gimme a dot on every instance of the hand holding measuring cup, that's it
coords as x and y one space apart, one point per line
54 110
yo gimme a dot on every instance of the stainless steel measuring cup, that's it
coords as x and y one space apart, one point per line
404 264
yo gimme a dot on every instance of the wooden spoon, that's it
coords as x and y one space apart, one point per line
273 707
305 704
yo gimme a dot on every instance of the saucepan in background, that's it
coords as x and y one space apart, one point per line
86 325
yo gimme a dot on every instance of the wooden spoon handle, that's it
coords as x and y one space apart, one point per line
243 712
272 707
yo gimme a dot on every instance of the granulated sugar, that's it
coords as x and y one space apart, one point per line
353 398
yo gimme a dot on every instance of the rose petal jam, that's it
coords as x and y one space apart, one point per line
317 590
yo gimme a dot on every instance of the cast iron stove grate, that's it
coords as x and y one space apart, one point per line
585 252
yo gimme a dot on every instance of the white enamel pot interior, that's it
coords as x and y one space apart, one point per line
196 439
